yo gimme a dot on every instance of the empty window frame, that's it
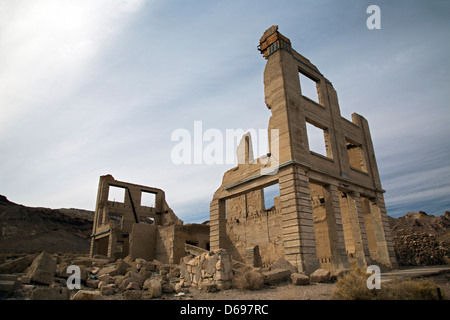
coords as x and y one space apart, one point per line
270 193
356 156
148 220
116 194
309 87
148 199
318 140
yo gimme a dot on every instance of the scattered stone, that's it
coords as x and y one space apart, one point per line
276 276
8 284
104 278
299 279
119 268
133 295
133 286
24 279
419 248
283 264
88 295
131 276
209 267
153 288
320 276
50 293
107 289
168 287
43 269
17 265
92 283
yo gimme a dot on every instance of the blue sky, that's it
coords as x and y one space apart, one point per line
89 88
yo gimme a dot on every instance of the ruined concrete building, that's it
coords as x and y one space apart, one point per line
135 220
330 211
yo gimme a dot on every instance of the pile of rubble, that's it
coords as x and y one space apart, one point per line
419 248
46 276
209 271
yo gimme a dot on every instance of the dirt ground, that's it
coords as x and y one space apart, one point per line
314 291
287 291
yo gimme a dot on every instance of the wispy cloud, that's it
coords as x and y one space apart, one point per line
95 87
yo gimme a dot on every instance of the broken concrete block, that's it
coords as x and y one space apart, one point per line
104 278
43 269
119 268
107 289
88 295
276 276
25 279
299 279
131 276
153 287
168 287
92 283
8 284
17 265
133 295
283 264
133 286
178 287
320 276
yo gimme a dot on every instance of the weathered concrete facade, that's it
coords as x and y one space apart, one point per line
330 210
131 227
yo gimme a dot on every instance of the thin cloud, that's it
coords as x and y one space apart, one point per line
95 87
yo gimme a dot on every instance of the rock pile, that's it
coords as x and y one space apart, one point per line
46 276
209 271
419 248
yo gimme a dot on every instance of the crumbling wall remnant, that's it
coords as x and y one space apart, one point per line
126 225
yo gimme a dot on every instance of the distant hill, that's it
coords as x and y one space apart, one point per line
421 239
29 230
422 222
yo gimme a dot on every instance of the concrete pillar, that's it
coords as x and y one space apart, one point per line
382 232
217 224
336 234
358 229
297 221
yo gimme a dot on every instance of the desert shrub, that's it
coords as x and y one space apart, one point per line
419 289
353 286
248 280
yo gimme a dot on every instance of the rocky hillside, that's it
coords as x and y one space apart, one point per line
31 230
421 239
